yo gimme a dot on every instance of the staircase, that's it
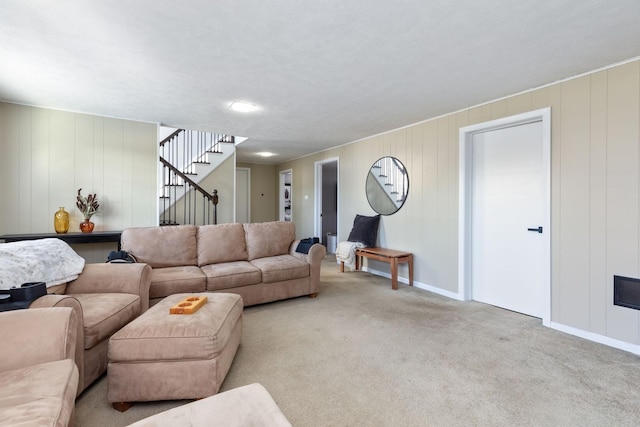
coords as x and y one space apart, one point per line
392 177
186 158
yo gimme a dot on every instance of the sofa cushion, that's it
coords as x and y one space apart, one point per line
280 268
221 243
173 280
42 395
231 275
104 314
265 239
168 246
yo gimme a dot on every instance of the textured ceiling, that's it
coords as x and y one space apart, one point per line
324 73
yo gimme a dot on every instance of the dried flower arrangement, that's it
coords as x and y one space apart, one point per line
87 205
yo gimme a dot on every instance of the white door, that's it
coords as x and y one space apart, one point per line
243 192
508 265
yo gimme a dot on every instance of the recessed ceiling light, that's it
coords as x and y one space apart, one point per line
265 154
243 107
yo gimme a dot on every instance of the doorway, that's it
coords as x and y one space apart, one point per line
285 199
505 253
326 203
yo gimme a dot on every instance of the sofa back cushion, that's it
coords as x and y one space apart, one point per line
269 238
221 243
166 246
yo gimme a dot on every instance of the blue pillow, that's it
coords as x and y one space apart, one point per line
365 230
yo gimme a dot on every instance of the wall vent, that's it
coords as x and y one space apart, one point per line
626 292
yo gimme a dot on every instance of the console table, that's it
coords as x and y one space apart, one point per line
389 256
76 237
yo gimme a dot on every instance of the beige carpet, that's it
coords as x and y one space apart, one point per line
363 355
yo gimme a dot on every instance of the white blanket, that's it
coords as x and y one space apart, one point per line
346 252
46 260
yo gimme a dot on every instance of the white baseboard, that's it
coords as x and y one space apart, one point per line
601 339
405 280
591 336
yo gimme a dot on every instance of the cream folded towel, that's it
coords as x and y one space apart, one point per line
346 252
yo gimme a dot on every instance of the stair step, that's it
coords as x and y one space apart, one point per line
201 163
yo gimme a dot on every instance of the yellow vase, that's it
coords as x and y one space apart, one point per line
61 221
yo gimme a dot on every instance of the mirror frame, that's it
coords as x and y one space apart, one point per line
378 197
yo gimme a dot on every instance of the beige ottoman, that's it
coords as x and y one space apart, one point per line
162 356
250 405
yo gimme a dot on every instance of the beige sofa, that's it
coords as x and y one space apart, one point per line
105 297
38 376
258 261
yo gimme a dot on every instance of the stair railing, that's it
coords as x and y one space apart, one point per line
180 193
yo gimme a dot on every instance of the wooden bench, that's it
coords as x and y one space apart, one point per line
389 256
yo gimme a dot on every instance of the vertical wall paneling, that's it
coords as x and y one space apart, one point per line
518 104
597 204
574 210
99 178
61 164
50 154
554 97
594 193
128 141
622 192
414 201
443 241
539 99
20 155
39 191
144 202
430 202
111 215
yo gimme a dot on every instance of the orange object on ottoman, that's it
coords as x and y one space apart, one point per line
159 356
188 305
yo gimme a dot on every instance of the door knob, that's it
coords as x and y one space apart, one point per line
538 230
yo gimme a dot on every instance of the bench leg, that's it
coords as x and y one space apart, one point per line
394 274
411 270
341 266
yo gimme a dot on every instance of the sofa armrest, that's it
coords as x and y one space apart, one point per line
48 301
316 254
31 337
132 278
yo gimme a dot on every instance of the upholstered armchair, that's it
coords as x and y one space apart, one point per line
105 297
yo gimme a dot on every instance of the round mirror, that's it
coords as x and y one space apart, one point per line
387 185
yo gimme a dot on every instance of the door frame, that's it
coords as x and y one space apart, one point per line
466 189
317 209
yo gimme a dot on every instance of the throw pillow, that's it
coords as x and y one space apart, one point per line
365 230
